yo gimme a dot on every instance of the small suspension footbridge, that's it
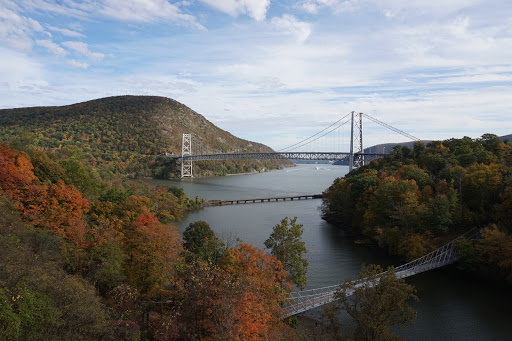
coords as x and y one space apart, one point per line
355 156
301 301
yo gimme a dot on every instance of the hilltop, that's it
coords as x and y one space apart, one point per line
127 135
387 147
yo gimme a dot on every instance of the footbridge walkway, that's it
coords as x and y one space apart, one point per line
301 301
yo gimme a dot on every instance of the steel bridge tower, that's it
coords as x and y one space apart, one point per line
356 137
186 150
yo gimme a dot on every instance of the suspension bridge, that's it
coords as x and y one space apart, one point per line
301 301
356 155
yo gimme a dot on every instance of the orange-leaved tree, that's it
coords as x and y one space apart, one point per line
151 249
265 285
236 299
58 207
15 172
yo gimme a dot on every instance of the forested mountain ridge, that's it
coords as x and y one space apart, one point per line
126 135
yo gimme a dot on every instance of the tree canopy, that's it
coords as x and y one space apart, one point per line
376 302
286 244
105 262
412 201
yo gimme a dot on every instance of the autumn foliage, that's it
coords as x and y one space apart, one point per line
119 240
237 299
412 201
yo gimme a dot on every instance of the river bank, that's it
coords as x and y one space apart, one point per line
451 307
310 329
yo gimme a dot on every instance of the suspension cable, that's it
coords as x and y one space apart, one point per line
309 138
391 128
319 137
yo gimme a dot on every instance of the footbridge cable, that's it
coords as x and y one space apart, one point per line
301 301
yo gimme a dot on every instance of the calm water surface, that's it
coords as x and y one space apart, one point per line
451 307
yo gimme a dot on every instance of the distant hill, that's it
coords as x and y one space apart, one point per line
385 148
127 135
506 137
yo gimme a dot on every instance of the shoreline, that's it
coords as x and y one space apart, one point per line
311 328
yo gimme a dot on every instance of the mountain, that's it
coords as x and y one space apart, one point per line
127 135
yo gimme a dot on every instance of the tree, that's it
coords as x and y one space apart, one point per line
200 240
237 299
15 172
413 172
285 243
264 283
394 203
165 205
481 186
495 249
151 249
38 299
377 301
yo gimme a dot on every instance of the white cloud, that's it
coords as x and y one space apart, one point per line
52 47
416 8
147 11
256 9
397 9
313 6
291 25
69 8
450 44
77 64
22 79
65 31
83 49
435 66
16 66
16 30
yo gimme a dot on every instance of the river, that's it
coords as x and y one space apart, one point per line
451 307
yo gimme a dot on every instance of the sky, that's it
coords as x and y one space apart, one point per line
272 71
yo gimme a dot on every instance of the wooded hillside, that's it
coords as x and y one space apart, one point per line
84 258
127 135
414 200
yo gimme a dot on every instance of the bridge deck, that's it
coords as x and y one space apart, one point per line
329 156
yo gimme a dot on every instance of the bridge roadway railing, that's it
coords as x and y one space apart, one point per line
327 156
301 301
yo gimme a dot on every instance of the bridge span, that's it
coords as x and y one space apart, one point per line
301 301
355 157
309 156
